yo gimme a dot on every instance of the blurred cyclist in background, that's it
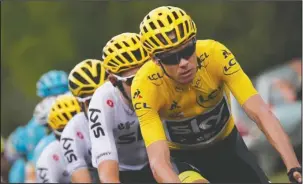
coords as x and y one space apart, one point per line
4 162
51 83
49 86
51 166
75 143
24 141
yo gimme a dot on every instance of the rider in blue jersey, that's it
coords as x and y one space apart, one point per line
52 83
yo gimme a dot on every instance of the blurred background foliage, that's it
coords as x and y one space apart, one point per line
38 36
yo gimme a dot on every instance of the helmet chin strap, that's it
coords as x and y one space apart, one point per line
119 85
122 90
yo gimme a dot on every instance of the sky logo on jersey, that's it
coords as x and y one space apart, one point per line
68 151
110 103
96 124
42 174
80 135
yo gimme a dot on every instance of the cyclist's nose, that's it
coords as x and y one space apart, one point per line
183 63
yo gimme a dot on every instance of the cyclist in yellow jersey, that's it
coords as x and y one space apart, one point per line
188 85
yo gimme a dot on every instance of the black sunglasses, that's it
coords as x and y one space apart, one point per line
175 58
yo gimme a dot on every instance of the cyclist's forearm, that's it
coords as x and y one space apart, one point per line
258 111
81 175
164 173
275 134
159 159
109 171
30 176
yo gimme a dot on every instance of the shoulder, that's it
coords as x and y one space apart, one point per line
49 150
75 121
203 46
149 73
105 90
206 48
75 124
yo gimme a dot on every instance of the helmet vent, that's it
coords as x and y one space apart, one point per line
119 59
152 25
161 38
134 41
126 44
89 63
65 115
127 57
160 23
187 26
154 41
175 15
80 78
169 20
137 54
181 30
118 46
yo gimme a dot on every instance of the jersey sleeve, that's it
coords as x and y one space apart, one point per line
101 118
229 70
147 101
71 147
45 171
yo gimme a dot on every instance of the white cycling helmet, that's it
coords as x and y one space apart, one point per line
42 109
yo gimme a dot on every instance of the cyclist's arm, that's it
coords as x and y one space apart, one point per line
259 112
152 131
81 175
242 88
30 172
104 151
74 153
46 172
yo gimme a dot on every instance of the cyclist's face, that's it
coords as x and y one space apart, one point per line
184 71
126 85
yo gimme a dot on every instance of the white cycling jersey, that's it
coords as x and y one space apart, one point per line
114 130
75 143
51 167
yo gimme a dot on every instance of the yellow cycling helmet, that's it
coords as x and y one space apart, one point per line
86 77
166 27
123 52
62 111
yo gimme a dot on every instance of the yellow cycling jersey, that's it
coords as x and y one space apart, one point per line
195 115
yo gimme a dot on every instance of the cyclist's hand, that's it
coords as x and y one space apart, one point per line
295 175
298 177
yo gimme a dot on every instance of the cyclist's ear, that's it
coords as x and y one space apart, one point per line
113 79
155 60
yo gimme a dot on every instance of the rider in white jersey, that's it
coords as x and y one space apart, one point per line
51 167
114 129
84 79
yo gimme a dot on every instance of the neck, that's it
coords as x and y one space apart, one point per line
126 101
